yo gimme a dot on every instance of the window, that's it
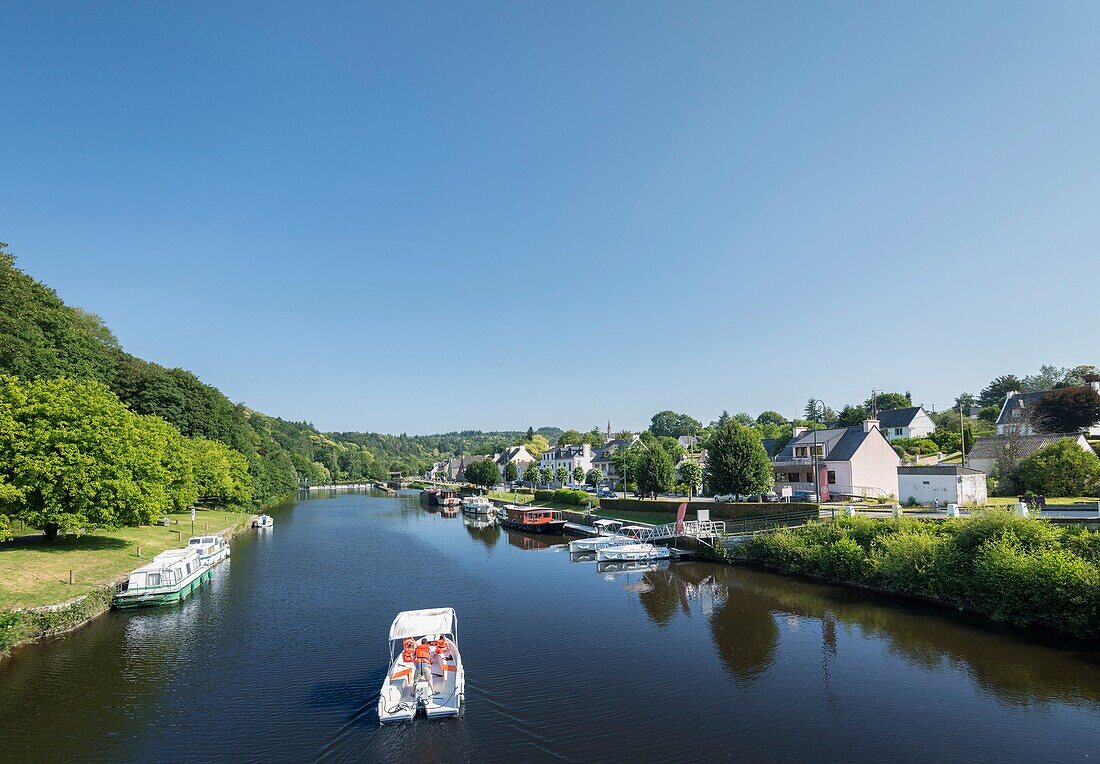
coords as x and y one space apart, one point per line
152 579
821 449
832 478
809 477
792 477
897 431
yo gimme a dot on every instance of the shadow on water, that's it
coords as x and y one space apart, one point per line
534 543
742 605
483 530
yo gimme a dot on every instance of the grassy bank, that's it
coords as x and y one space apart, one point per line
34 572
1018 570
511 498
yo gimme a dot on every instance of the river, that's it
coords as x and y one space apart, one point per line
281 658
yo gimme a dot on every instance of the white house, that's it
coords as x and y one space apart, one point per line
943 483
912 422
852 461
1018 408
569 457
987 451
517 455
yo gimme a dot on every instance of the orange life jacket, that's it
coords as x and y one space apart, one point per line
440 646
423 652
407 656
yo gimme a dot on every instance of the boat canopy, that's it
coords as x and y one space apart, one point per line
417 623
605 523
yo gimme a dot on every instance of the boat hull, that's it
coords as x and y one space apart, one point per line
632 552
122 601
554 526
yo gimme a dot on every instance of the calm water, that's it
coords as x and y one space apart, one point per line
281 660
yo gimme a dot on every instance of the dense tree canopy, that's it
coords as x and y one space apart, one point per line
483 472
1060 469
1067 409
995 392
737 462
656 471
674 425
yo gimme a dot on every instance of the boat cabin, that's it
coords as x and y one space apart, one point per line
607 527
533 516
166 571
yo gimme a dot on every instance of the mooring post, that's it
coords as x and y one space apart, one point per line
72 579
139 550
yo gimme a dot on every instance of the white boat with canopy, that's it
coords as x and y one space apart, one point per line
622 534
477 505
211 549
632 552
425 673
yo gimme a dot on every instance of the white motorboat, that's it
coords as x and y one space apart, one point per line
622 534
477 505
631 552
169 578
425 675
211 549
263 521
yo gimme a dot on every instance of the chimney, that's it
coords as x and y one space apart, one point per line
796 431
870 424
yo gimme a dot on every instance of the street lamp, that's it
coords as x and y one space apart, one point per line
817 475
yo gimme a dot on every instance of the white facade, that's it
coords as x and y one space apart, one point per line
913 422
944 484
569 457
854 461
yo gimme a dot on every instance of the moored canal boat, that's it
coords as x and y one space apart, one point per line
426 675
211 549
168 579
263 521
534 520
477 505
632 552
448 498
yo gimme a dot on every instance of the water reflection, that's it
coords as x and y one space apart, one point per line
482 529
744 609
534 542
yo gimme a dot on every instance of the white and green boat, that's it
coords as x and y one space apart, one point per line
168 579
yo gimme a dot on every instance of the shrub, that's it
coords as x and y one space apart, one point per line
913 561
567 496
844 560
1060 469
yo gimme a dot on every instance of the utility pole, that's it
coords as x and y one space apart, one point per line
962 436
817 475
874 403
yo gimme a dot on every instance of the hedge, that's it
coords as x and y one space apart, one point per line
567 496
718 511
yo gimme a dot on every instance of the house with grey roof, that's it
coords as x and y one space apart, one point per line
911 422
987 452
1018 410
517 455
851 461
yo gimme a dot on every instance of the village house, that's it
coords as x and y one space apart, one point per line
986 452
1018 410
944 484
517 455
911 422
569 457
852 461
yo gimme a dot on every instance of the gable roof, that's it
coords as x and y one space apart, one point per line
1016 403
992 446
848 444
899 417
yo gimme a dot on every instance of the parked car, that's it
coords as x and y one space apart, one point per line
805 496
765 496
605 493
727 497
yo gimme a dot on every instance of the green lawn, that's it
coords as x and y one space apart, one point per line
649 518
34 572
514 498
1002 501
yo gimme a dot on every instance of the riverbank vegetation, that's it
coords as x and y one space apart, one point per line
1018 570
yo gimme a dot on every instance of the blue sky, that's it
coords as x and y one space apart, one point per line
423 217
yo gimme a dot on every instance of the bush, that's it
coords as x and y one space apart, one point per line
915 446
1060 469
567 496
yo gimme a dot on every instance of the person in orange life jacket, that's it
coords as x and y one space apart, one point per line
407 653
423 656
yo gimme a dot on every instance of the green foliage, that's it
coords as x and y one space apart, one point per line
221 474
1070 409
1059 469
737 461
511 472
570 438
916 446
531 474
594 477
567 496
851 415
656 471
692 475
578 474
561 474
546 475
1020 570
995 392
483 472
889 401
673 425
771 417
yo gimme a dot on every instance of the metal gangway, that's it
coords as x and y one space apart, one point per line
696 529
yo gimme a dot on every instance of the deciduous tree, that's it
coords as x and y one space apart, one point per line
594 476
737 461
656 471
1068 409
1060 469
673 424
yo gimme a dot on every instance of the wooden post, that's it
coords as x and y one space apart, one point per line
139 550
72 579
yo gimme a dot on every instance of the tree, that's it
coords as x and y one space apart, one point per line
674 425
965 401
594 476
626 461
888 401
1080 375
511 472
1048 378
561 474
570 438
656 471
77 459
1060 469
995 392
771 417
221 474
692 474
737 462
578 474
530 433
546 474
537 445
483 472
1068 409
852 415
531 474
